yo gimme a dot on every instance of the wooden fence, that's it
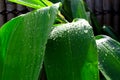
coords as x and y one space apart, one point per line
9 10
107 12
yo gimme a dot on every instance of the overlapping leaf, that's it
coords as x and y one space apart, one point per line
23 42
55 1
71 53
33 3
109 57
110 32
74 9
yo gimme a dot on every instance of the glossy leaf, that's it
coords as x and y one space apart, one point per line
78 9
109 57
74 9
37 4
22 45
96 25
33 3
110 32
71 53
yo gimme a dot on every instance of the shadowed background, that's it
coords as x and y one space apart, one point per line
107 12
9 10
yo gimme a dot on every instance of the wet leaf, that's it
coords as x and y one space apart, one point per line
22 44
109 57
74 9
71 53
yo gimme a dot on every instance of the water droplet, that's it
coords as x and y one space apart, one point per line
98 63
68 31
76 32
113 48
92 36
53 39
86 31
105 54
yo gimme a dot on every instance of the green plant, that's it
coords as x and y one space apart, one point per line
73 55
109 57
22 44
60 32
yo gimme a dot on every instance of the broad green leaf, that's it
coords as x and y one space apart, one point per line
37 4
74 9
71 53
22 44
33 3
109 57
78 9
46 2
96 25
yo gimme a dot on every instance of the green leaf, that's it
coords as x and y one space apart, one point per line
22 44
109 57
37 4
74 9
96 25
110 32
71 53
78 9
33 3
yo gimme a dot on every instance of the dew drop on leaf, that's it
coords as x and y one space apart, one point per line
113 47
86 31
105 54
